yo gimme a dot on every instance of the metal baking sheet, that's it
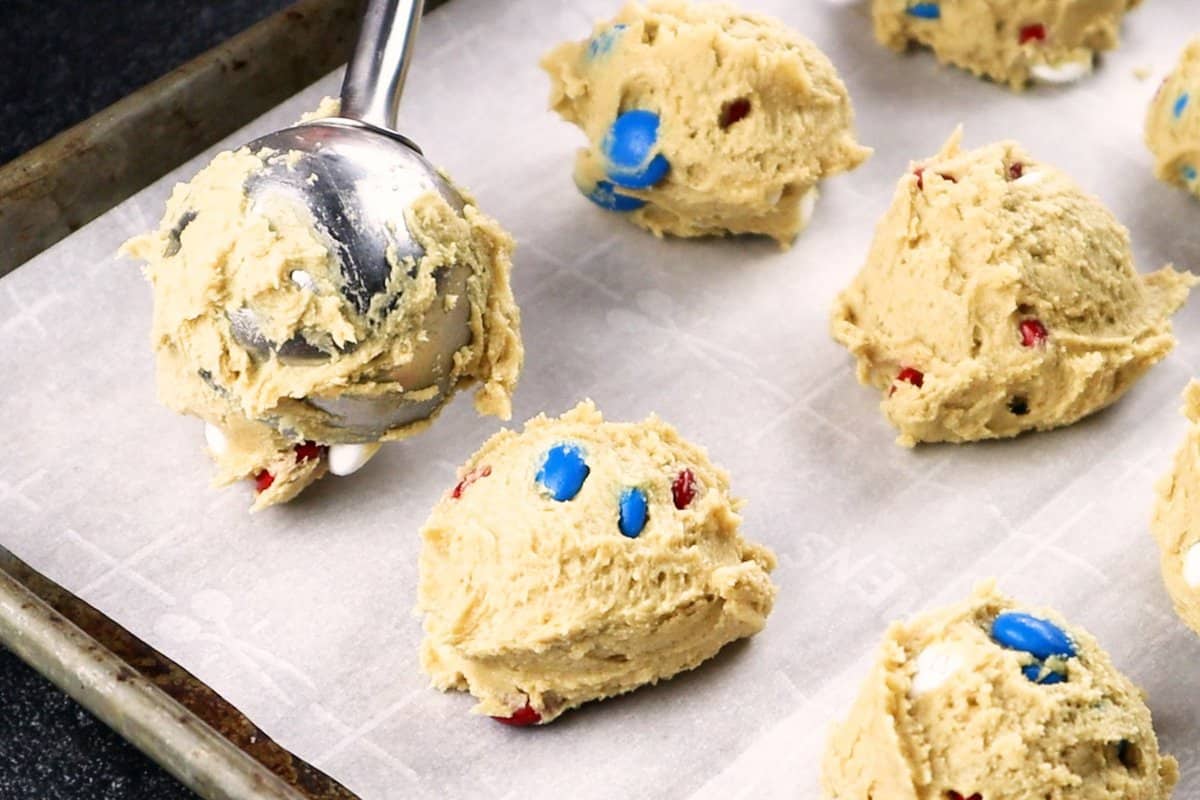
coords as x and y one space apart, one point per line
302 616
175 719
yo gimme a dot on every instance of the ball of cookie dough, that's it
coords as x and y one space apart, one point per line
989 700
703 120
1173 123
997 298
1176 516
581 559
1013 42
219 254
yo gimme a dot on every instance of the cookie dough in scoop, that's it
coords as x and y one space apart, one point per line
703 120
1173 123
1009 41
1176 523
998 297
581 559
990 700
218 254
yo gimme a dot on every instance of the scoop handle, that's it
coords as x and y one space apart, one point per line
377 68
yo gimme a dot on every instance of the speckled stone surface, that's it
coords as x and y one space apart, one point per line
50 747
82 61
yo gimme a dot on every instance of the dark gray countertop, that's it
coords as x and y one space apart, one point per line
51 748
83 57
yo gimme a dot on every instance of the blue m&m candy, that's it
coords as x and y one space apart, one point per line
633 512
631 151
1181 103
1040 638
602 43
1034 673
563 472
924 11
605 195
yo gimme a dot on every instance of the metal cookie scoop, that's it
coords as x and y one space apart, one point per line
355 177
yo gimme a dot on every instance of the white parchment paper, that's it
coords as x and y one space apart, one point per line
301 616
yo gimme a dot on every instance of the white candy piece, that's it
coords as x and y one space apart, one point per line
1191 566
303 279
1069 72
935 665
807 203
1030 178
346 459
215 438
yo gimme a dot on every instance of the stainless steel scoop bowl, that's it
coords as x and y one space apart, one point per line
353 176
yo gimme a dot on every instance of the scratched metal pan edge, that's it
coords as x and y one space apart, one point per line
176 720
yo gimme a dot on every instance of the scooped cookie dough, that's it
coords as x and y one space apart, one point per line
997 298
581 559
703 120
985 700
1173 123
218 255
1176 517
1009 41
